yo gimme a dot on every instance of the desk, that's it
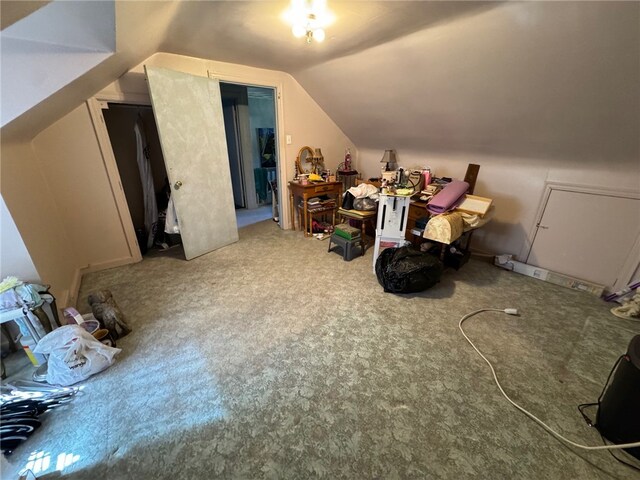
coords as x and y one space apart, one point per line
417 209
304 193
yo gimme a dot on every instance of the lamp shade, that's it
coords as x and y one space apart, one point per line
389 158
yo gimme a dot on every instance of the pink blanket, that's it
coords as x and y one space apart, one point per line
448 198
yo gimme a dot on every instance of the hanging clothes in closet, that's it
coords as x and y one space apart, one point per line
146 177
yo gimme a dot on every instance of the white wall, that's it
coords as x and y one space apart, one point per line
15 260
48 49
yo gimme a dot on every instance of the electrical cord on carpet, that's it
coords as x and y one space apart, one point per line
513 311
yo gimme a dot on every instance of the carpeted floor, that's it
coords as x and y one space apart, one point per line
272 358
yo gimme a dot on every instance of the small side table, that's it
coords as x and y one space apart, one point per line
362 216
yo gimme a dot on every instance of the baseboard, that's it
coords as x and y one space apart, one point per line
69 298
505 261
96 267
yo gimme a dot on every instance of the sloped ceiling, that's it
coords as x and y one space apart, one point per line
245 32
556 80
540 79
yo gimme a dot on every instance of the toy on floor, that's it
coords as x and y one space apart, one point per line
108 313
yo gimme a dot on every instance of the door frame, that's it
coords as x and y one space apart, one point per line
248 81
95 105
631 264
95 111
243 141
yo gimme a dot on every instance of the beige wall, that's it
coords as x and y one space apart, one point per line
298 114
59 195
57 191
33 206
72 163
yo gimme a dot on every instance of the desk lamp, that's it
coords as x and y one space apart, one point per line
390 165
317 161
389 159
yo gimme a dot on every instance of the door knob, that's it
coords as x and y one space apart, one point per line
177 185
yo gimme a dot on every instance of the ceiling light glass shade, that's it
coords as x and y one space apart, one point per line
299 31
318 5
308 18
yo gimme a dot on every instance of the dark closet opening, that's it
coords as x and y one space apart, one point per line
120 120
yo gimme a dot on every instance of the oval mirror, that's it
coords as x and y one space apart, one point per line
304 160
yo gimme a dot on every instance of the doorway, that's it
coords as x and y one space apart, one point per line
249 114
575 222
121 120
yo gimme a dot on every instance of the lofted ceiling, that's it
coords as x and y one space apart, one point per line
536 79
244 32
253 33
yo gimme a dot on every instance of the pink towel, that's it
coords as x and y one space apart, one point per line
448 198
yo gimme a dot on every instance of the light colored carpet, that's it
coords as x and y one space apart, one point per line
245 216
272 358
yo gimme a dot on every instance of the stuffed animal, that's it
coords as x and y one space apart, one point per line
108 313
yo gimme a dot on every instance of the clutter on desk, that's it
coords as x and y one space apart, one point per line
309 165
364 204
444 228
448 198
23 407
474 205
319 204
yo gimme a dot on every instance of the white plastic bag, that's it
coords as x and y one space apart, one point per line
74 355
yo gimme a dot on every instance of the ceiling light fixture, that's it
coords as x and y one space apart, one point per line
308 18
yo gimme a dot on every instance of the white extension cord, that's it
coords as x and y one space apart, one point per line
513 311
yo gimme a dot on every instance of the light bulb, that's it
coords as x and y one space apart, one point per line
318 35
298 31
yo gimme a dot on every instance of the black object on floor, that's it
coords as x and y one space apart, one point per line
407 270
618 417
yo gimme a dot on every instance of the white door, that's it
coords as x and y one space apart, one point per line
586 235
188 111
